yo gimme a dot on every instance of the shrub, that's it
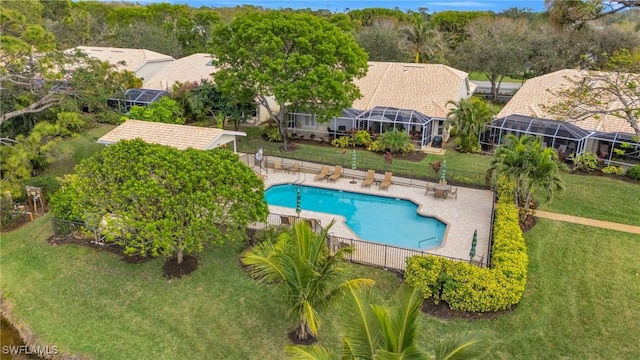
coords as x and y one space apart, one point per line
362 138
272 133
615 170
9 218
634 172
375 146
396 141
585 162
470 288
343 142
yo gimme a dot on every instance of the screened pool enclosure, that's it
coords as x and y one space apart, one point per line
135 97
567 138
377 120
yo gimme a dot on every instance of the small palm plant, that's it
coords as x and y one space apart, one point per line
381 332
305 270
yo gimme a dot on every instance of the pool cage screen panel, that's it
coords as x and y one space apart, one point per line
376 121
135 97
606 144
566 138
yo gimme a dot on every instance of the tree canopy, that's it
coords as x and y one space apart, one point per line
613 92
303 62
164 201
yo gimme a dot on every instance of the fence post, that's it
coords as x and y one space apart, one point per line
385 255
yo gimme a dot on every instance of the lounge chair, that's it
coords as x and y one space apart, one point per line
384 185
369 179
336 174
295 167
277 166
323 174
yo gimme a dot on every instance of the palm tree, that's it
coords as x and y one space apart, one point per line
305 270
381 332
420 39
468 117
531 166
543 174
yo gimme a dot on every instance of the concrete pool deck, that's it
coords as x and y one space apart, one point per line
470 211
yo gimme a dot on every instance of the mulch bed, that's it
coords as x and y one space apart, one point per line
442 311
114 249
173 270
294 339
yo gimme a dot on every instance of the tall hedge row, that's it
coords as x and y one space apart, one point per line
470 288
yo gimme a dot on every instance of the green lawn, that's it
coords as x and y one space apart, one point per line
599 198
580 302
479 76
72 151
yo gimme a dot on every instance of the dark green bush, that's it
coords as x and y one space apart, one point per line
9 218
634 172
272 133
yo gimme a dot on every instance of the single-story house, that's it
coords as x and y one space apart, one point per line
403 96
178 136
526 113
135 97
192 68
144 63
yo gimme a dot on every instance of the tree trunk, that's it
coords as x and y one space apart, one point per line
180 257
282 126
417 57
303 332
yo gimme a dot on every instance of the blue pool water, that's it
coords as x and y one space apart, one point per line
375 218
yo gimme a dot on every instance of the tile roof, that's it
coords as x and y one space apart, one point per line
177 136
422 87
194 67
539 91
129 59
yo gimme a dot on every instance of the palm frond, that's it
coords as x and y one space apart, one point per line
313 352
467 346
363 336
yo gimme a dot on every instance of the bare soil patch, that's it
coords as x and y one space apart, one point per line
114 249
172 269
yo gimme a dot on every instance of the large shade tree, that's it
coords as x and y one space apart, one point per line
374 331
157 200
309 276
302 61
569 12
496 47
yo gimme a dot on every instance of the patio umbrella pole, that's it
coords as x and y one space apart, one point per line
353 166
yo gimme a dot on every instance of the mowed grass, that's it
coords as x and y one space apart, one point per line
70 152
91 303
597 197
580 301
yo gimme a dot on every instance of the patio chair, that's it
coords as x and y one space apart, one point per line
453 192
277 166
369 179
430 187
336 174
323 174
384 185
295 167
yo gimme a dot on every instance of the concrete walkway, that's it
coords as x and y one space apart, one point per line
589 222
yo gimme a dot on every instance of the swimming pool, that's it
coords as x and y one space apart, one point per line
375 218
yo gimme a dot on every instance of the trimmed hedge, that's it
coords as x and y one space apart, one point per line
467 287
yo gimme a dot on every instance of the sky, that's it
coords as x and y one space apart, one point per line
342 5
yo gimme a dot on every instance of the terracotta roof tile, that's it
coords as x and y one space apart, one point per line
196 67
178 136
540 90
133 59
